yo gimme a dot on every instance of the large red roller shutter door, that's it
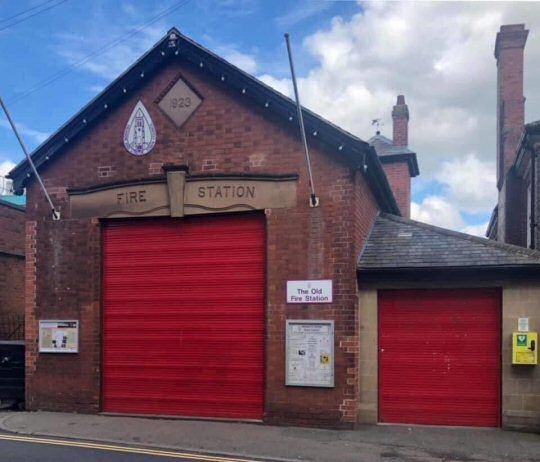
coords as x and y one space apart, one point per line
439 357
183 316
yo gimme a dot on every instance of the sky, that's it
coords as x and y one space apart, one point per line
352 60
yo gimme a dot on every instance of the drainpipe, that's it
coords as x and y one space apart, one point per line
532 224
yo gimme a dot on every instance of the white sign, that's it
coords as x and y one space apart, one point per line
315 291
523 324
310 353
58 336
140 133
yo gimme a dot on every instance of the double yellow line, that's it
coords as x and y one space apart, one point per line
117 448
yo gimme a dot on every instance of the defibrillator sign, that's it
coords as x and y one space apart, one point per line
525 348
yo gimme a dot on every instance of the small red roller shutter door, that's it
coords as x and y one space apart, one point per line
183 321
439 357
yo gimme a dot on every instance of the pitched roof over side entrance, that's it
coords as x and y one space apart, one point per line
175 46
401 244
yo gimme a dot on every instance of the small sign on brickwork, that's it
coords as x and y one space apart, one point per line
311 291
523 324
180 102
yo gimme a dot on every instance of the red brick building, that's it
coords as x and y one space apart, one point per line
515 218
12 219
399 162
189 275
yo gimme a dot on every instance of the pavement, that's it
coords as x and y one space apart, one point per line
373 443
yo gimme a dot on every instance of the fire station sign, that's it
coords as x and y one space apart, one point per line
310 353
314 291
178 195
58 336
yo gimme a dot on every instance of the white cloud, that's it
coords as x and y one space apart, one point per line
301 11
244 61
93 52
476 230
282 85
438 211
469 182
37 136
447 72
5 167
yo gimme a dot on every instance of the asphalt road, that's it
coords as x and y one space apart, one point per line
30 449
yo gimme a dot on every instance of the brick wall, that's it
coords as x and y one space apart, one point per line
520 384
509 49
11 259
400 182
226 134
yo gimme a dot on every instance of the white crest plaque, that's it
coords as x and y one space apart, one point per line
140 133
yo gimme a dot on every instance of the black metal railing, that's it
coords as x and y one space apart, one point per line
11 327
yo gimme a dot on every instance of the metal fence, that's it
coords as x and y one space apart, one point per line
11 327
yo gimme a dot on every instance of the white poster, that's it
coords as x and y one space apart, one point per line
310 353
58 336
523 324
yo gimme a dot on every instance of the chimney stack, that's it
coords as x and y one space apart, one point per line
400 119
509 47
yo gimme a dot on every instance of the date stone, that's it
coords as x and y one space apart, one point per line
180 102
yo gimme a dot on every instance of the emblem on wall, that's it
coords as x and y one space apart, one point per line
140 133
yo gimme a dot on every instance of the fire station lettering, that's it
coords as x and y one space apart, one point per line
193 196
131 197
224 192
150 200
230 195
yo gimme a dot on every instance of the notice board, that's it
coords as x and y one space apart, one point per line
310 353
58 336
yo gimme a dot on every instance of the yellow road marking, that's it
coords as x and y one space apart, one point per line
115 448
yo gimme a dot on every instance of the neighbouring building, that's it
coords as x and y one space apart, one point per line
515 218
188 274
398 161
12 269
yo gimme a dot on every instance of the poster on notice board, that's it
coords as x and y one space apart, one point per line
310 353
58 336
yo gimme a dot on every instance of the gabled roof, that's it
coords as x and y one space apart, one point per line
388 152
356 152
401 244
529 136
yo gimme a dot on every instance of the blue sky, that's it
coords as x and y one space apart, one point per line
353 58
43 46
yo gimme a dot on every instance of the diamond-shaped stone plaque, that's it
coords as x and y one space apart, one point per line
180 102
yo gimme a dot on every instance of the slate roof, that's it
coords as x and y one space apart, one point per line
398 243
356 152
388 152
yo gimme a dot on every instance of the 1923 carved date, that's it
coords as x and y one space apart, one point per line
179 103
